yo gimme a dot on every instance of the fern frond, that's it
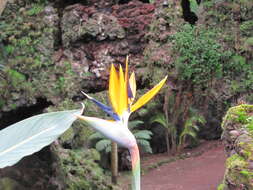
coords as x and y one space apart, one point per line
143 134
96 135
102 144
160 119
135 123
145 145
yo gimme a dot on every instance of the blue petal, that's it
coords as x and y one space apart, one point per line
129 91
104 107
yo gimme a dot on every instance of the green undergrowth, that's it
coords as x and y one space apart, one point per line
241 115
79 170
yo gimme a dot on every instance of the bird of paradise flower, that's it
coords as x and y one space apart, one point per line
32 134
122 91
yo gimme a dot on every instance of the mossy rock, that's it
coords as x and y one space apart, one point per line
237 116
78 170
238 173
238 138
10 184
246 28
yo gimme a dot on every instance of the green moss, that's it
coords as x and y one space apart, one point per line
246 149
67 136
238 114
246 28
250 125
248 44
235 164
247 174
80 171
238 166
35 9
221 187
28 68
9 184
234 161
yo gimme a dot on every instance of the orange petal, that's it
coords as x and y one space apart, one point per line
114 88
123 97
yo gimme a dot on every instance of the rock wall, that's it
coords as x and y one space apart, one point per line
238 139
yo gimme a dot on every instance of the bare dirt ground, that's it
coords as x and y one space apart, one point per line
203 170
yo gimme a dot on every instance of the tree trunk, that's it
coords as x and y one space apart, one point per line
114 162
167 141
166 111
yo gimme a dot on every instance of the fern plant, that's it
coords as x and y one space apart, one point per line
170 129
142 137
191 128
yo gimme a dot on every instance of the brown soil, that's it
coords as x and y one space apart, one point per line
202 170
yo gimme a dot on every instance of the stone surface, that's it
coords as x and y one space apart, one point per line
238 139
79 22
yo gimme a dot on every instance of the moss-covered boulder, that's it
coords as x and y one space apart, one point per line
10 184
238 139
80 22
27 41
76 169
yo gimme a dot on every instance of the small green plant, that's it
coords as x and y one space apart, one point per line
15 77
194 6
36 9
221 187
170 129
191 127
241 117
247 174
142 136
9 49
246 28
199 57
250 124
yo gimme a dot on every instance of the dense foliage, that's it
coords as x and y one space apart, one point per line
199 55
201 59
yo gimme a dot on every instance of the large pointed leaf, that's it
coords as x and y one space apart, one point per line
143 134
135 123
160 118
148 96
32 134
194 6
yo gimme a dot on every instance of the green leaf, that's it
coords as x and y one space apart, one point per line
135 123
32 134
145 145
96 135
160 118
108 149
143 134
103 144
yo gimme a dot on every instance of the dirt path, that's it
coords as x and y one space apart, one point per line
204 172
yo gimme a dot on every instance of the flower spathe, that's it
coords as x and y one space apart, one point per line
122 91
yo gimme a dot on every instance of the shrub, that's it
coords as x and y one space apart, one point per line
199 55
